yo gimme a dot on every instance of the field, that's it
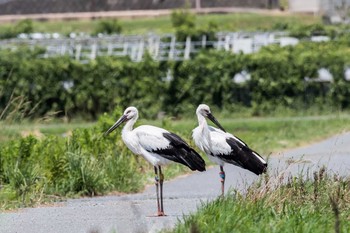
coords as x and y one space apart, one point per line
12 131
224 22
279 133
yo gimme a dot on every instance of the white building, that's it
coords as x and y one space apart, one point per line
309 6
328 7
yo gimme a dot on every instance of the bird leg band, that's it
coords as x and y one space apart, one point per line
222 176
156 178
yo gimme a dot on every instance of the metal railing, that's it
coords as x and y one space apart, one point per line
159 47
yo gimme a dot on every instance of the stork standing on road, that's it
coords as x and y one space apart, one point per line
222 147
158 146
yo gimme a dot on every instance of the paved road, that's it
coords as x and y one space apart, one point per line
132 213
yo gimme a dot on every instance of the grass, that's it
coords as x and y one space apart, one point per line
86 163
225 22
279 133
12 131
317 204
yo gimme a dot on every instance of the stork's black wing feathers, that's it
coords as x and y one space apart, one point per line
242 156
179 151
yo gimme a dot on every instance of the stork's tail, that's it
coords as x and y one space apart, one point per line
255 163
195 161
186 155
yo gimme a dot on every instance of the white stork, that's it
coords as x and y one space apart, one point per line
222 147
158 146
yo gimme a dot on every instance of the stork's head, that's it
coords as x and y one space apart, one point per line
131 113
204 110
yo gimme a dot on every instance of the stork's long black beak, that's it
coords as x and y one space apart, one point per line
119 122
213 119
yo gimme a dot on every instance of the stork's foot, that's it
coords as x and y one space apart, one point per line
161 213
158 214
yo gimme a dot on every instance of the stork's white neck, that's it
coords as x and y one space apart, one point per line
201 120
128 127
129 136
201 134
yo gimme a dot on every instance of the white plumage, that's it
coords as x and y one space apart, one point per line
158 146
222 147
145 139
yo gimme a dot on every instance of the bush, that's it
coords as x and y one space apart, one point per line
33 87
108 27
182 17
184 23
23 26
84 164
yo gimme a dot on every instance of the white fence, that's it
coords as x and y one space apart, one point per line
161 48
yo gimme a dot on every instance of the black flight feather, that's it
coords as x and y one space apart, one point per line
242 156
179 151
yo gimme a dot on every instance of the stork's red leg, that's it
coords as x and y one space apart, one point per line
161 179
222 176
156 178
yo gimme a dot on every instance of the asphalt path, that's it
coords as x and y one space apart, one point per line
182 196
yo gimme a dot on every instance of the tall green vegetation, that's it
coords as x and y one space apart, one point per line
33 170
319 203
23 26
66 87
108 27
185 25
70 88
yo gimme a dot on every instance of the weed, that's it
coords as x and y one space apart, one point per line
279 208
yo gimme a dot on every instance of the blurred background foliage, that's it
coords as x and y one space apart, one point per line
33 87
65 87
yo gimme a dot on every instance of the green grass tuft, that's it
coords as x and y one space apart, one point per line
321 204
